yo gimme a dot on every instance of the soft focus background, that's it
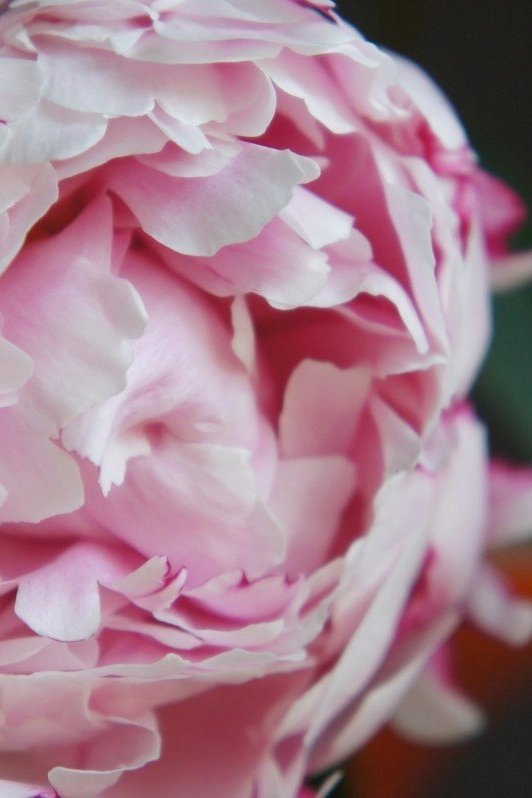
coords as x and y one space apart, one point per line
480 53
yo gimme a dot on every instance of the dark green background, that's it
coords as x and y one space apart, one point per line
479 51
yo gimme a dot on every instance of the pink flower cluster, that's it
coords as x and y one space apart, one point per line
244 501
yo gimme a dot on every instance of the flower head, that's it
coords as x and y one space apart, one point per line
245 294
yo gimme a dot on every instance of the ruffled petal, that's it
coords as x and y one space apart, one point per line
435 712
61 599
74 321
198 217
25 196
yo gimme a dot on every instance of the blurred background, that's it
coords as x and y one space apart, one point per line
480 53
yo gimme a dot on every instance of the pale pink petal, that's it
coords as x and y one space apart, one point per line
22 83
90 301
192 94
26 194
258 100
152 586
157 402
18 650
321 409
232 596
73 368
399 441
198 498
267 30
125 746
434 712
310 80
122 137
177 162
308 498
15 369
196 47
189 137
494 608
61 599
31 720
12 789
461 276
175 211
374 605
50 133
351 730
238 97
284 269
107 26
412 219
473 295
271 613
40 478
196 726
366 77
396 221
112 86
511 504
318 222
502 210
431 103
370 279
243 342
461 509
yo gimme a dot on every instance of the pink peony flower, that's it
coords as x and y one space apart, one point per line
244 501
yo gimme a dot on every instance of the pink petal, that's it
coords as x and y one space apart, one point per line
25 196
40 478
310 80
196 726
122 137
21 87
431 103
318 222
61 599
435 713
50 133
15 369
157 398
380 571
286 271
494 608
127 745
151 587
308 498
461 509
207 492
48 289
12 789
321 409
511 504
502 210
174 211
70 378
